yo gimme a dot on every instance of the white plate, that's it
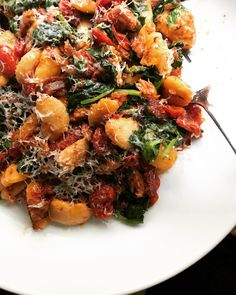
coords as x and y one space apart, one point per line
197 206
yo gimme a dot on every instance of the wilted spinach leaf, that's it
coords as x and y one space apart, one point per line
19 6
130 209
151 135
86 90
50 34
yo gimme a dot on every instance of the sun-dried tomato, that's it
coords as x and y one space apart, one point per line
173 111
152 183
101 37
19 48
100 141
122 18
101 201
122 40
191 120
156 108
137 185
132 160
2 157
104 3
70 13
69 138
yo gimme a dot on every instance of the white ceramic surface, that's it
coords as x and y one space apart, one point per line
197 206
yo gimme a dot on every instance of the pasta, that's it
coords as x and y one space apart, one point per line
93 108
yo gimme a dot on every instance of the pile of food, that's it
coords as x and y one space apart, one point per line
92 105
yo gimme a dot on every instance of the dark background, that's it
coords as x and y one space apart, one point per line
212 275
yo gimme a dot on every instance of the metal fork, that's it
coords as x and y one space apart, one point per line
200 98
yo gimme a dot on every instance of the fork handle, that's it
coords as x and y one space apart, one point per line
221 130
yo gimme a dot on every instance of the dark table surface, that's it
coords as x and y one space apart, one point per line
212 275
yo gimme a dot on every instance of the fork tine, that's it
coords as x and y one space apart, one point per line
201 96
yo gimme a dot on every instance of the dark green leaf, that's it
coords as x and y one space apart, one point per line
151 135
85 92
109 73
19 6
50 34
5 144
130 209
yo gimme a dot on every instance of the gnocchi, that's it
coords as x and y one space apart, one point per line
68 213
28 64
73 155
165 162
98 111
11 176
177 91
53 116
119 131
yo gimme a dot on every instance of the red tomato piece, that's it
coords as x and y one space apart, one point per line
190 122
152 183
173 111
101 37
8 61
19 48
101 201
122 40
104 3
69 138
100 141
69 12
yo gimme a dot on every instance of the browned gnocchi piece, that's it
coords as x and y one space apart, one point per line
99 110
53 116
164 162
177 91
11 176
85 6
48 65
27 129
119 131
69 213
156 53
178 25
28 64
73 155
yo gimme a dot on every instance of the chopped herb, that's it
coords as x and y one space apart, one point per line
80 66
138 7
174 14
160 8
